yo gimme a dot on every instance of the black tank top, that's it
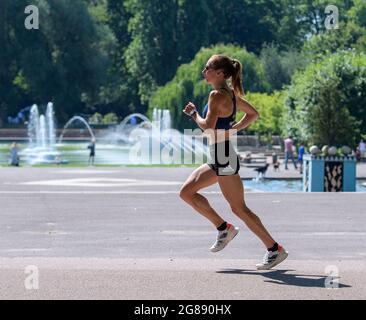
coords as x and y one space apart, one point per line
225 123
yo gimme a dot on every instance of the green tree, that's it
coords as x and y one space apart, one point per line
62 61
122 89
279 66
96 118
192 28
249 23
188 83
112 55
351 33
271 111
78 62
152 54
22 54
357 24
110 118
311 15
347 36
325 101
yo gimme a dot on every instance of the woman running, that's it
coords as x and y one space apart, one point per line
218 123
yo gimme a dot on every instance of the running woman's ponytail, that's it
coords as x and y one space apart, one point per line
236 78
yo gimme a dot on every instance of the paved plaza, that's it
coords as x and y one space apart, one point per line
124 233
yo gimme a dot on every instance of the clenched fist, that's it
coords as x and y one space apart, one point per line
190 109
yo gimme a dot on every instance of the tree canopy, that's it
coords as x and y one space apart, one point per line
114 56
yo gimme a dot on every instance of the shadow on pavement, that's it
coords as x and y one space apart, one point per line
283 278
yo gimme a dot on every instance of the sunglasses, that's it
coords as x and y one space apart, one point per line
207 67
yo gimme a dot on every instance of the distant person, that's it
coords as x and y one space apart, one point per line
91 146
300 159
14 158
58 160
289 152
358 154
362 147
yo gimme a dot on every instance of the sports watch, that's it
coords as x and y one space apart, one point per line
193 111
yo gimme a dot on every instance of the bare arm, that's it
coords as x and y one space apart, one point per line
209 122
251 114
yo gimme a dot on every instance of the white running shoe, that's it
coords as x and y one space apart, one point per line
224 237
272 258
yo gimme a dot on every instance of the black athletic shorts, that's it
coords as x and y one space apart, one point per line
223 159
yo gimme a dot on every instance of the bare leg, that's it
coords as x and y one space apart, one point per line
233 191
201 178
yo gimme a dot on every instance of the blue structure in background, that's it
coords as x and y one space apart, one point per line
21 116
133 121
329 174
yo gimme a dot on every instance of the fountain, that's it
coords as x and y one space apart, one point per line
162 116
50 120
42 137
73 119
125 121
158 143
155 142
136 140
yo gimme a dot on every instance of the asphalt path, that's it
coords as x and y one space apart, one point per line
124 233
